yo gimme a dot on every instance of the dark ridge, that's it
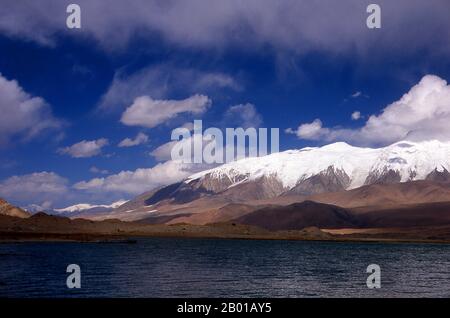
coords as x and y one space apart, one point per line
439 176
40 215
387 177
330 180
163 194
179 192
301 215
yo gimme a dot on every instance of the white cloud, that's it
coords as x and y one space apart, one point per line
359 94
310 131
188 125
356 115
141 138
33 208
163 152
160 81
422 113
22 114
94 169
210 80
140 180
243 115
85 148
148 112
42 187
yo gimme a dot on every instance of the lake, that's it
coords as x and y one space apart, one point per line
224 268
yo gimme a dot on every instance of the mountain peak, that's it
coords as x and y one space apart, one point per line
354 166
340 145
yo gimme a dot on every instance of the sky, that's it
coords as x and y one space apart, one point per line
86 114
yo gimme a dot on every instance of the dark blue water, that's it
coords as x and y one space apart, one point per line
224 268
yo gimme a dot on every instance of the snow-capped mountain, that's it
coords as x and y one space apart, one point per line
79 209
334 167
87 206
294 174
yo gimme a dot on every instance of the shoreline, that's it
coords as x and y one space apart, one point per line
45 228
132 238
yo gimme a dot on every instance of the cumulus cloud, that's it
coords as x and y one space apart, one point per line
163 152
41 187
159 81
85 148
141 138
243 115
22 114
140 180
310 131
422 113
148 112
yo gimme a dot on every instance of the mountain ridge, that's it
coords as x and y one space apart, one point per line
318 173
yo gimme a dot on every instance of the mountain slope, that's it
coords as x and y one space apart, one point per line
8 209
325 216
300 215
413 215
385 195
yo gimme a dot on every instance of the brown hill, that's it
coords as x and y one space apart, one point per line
45 227
8 209
385 195
325 216
414 215
300 215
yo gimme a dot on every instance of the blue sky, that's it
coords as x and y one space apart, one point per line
287 64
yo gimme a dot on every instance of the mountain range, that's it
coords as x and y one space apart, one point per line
334 186
339 174
398 192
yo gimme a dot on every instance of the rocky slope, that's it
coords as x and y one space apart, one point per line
8 209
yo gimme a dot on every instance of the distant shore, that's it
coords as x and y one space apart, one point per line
43 227
131 238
